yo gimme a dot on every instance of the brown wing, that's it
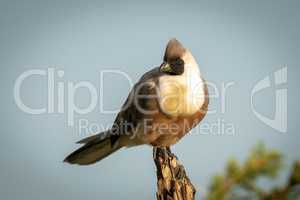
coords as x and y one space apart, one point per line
140 102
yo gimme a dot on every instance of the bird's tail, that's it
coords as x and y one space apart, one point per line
95 148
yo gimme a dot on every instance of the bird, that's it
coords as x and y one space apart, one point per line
162 107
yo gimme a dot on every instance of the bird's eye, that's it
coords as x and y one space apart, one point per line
177 62
177 66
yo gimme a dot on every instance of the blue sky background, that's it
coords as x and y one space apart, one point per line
233 41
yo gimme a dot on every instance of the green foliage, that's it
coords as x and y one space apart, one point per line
261 162
295 176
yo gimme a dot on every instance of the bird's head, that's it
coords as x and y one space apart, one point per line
177 59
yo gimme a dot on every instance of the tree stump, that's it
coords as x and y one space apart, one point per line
172 181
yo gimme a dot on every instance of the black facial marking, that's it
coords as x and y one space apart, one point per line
177 66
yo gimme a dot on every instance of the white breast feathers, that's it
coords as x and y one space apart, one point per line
182 95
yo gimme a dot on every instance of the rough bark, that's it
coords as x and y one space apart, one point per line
172 181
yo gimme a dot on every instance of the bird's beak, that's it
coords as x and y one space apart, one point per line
165 67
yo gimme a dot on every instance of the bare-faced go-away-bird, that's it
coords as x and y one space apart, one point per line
162 107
